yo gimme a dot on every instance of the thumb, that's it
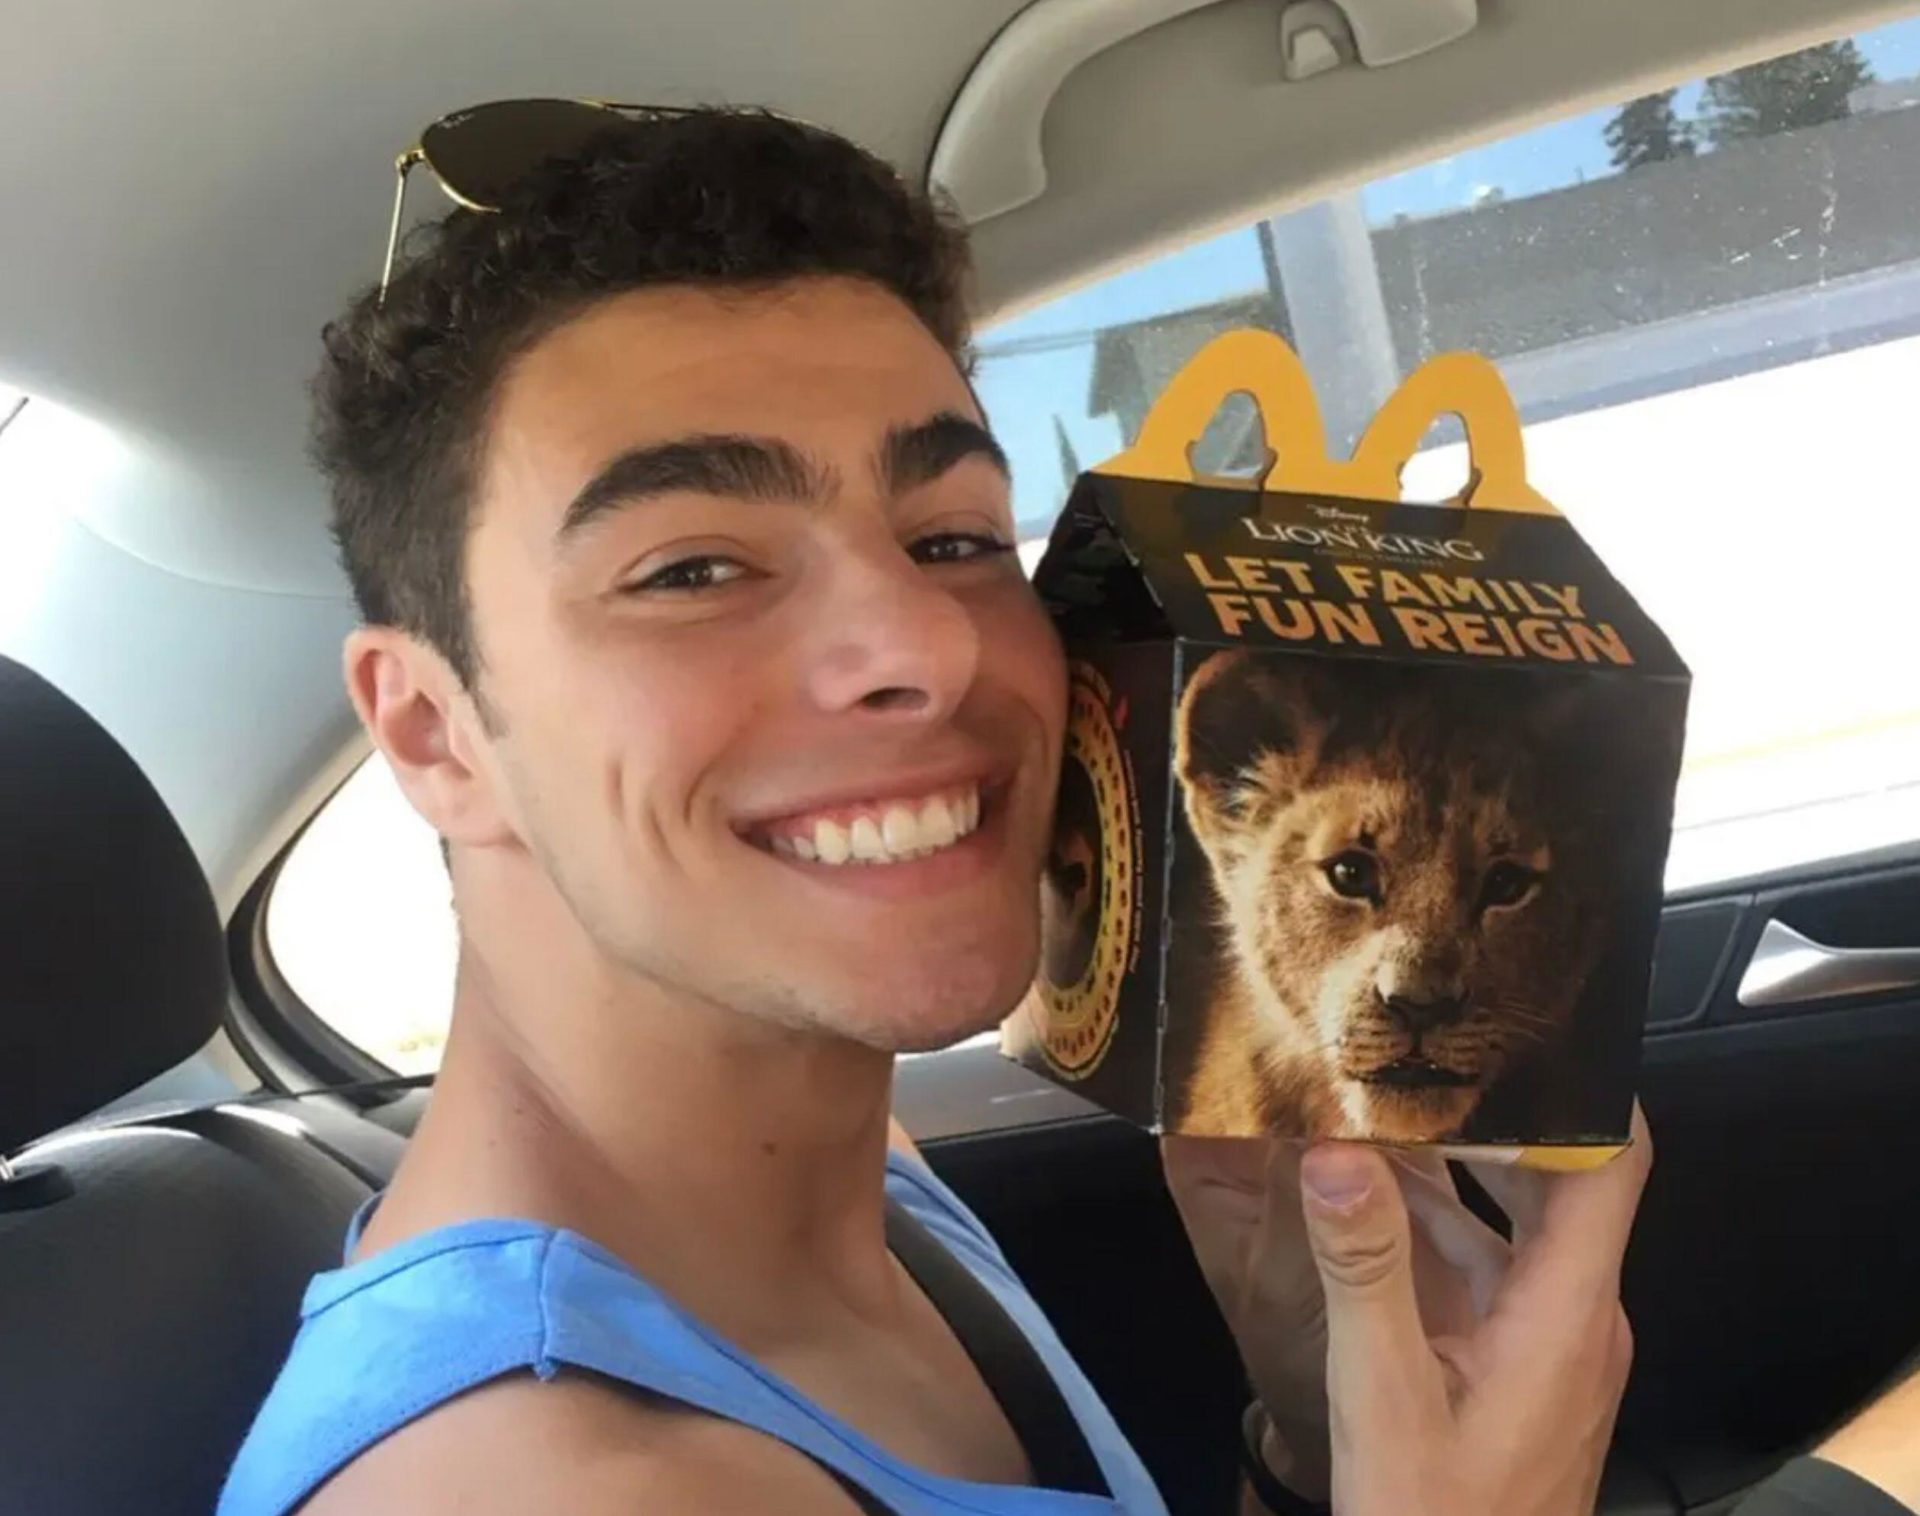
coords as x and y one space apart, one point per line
1378 1362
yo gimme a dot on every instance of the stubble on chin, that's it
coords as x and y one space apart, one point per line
924 1011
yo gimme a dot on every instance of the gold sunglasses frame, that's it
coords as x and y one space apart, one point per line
404 164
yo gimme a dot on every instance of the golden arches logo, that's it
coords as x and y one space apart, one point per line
1077 1019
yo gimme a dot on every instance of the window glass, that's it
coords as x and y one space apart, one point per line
50 457
1707 303
360 923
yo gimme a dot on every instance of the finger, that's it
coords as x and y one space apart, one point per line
1521 1193
1199 1164
1585 1221
1283 1282
1381 1375
1429 1163
1240 1202
1476 1255
1217 1182
1282 1308
1218 1186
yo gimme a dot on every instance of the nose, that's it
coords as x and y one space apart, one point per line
1421 1015
893 644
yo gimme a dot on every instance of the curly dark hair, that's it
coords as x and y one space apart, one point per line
708 197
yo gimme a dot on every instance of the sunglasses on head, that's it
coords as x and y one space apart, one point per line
477 154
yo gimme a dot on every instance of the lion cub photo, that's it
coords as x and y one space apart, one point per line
1410 884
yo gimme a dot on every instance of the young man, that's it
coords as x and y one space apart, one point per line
693 625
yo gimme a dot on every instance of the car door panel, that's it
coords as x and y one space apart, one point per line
1771 1275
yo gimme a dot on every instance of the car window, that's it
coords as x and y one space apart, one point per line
1707 304
360 923
49 459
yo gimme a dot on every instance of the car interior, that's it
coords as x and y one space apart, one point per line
188 193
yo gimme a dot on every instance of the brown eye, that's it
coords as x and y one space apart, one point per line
957 547
1507 884
1354 874
704 571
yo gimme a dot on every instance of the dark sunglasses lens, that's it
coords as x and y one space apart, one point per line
480 153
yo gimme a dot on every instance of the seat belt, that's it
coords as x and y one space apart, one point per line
1028 1394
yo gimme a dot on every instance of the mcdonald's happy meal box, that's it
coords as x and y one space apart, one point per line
1365 805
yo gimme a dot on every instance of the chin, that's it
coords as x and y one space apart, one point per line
925 1007
929 1038
928 1025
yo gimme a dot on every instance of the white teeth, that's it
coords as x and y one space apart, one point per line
868 844
897 835
900 831
830 842
937 827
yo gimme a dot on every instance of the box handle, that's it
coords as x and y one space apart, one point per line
1260 364
1468 386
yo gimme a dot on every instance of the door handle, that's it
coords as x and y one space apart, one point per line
1789 967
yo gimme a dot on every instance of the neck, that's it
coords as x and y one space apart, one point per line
729 1160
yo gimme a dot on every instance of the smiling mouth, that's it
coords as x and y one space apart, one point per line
1417 1074
880 832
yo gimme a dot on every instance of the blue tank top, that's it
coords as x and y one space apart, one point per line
386 1340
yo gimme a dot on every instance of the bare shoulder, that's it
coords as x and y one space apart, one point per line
578 1444
899 1141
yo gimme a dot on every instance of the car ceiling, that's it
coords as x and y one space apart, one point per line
188 191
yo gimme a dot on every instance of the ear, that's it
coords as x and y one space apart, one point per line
429 729
1247 727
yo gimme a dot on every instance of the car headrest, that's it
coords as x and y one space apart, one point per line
112 962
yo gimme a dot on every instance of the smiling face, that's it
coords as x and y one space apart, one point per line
768 702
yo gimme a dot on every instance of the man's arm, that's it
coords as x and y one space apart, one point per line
1882 1444
576 1445
1871 1467
1815 1487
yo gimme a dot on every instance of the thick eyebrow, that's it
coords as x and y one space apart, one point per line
744 468
920 453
